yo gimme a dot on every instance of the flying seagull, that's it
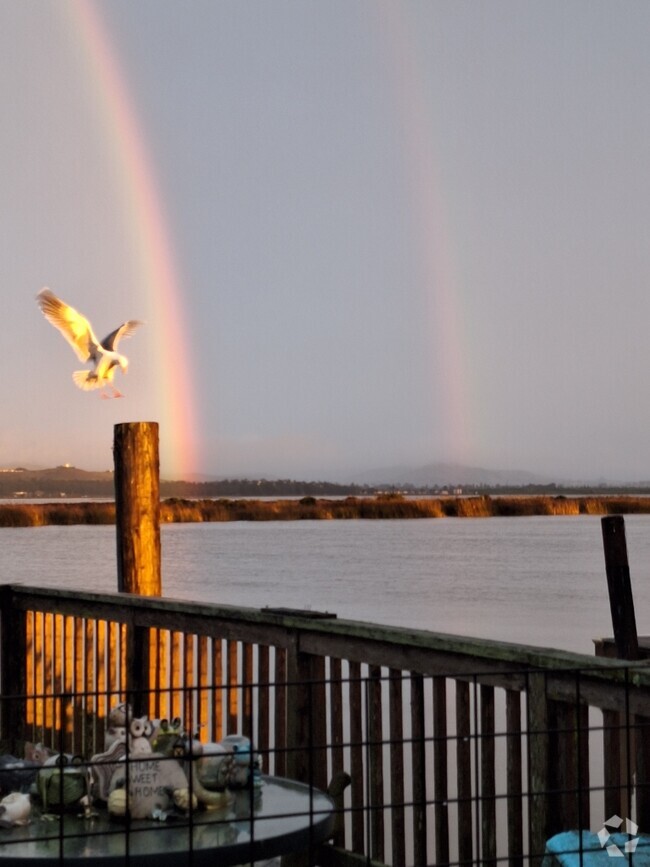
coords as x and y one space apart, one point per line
79 333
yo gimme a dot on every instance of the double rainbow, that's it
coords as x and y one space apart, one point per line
156 271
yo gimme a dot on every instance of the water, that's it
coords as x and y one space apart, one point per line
538 580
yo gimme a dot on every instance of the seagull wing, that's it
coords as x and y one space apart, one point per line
125 330
73 326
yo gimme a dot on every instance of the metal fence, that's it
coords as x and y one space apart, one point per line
435 749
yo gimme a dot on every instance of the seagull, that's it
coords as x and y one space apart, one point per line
79 333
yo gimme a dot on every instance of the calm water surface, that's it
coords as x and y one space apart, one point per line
537 580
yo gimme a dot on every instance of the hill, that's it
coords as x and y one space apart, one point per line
432 479
55 481
437 475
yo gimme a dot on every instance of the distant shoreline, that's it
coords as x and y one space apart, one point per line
68 482
382 507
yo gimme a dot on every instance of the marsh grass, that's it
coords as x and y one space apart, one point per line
44 514
391 506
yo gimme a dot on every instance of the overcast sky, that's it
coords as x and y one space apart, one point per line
402 232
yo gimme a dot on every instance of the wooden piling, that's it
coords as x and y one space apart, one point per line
620 588
137 508
634 746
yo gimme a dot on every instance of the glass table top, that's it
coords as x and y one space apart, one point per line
279 817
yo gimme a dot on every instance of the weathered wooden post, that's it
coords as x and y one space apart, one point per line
618 786
137 521
621 600
137 508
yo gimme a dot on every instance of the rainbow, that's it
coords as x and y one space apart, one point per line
434 252
156 270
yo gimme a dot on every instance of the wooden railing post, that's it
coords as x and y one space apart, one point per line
569 740
487 772
514 778
137 668
558 764
418 764
137 508
538 766
306 721
375 763
13 655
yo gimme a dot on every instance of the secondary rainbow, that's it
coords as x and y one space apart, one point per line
435 257
157 273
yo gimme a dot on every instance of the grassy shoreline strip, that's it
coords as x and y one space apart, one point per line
177 510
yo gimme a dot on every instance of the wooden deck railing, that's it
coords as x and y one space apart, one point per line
458 750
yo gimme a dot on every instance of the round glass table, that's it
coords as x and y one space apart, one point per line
280 817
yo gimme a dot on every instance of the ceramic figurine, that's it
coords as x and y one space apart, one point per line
102 766
211 772
140 731
38 753
120 715
118 720
117 803
246 765
17 775
187 746
166 736
150 786
114 734
62 782
15 809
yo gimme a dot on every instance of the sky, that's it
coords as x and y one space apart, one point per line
360 233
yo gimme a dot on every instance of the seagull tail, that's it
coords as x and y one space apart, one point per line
86 380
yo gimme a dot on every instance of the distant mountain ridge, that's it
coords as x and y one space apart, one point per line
440 474
437 475
427 476
55 482
62 473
